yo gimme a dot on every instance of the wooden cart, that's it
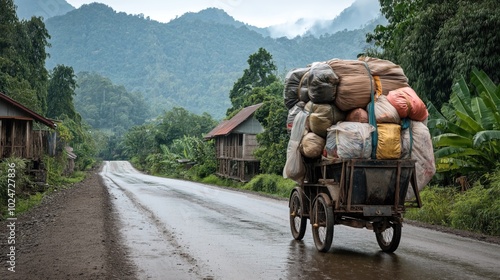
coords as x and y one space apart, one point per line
357 193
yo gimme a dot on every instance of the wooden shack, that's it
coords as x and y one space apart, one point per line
235 142
18 138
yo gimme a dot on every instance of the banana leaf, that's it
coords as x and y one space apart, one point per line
451 139
486 136
469 123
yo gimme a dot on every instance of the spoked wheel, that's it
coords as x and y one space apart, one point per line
298 222
389 239
322 224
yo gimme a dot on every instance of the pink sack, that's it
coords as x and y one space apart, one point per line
408 104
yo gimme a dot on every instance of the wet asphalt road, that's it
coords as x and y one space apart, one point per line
175 229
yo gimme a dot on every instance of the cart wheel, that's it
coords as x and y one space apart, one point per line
298 222
322 224
389 239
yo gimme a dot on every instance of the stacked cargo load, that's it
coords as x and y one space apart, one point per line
348 109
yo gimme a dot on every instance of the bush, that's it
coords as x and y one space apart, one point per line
271 184
478 209
437 205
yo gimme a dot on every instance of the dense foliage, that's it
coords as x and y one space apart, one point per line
467 130
108 107
22 58
176 135
437 42
24 78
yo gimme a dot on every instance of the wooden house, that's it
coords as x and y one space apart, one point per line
235 142
18 138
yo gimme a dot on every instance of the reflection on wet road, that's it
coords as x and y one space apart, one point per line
183 230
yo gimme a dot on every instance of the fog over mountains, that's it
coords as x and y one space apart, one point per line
193 60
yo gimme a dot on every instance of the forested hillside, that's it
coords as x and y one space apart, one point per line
190 62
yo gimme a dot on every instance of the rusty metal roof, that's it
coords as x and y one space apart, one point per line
225 127
29 112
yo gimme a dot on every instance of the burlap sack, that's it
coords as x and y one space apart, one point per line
322 116
357 115
385 112
312 145
355 85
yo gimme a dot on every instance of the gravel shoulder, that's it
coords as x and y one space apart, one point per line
72 234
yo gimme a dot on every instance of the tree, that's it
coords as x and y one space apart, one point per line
467 139
260 73
107 106
35 55
61 90
436 42
22 58
179 122
274 140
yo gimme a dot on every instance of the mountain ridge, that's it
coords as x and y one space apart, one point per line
190 62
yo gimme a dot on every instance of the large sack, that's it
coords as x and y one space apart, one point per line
422 151
299 106
408 104
292 82
389 141
322 83
312 145
385 112
355 85
322 116
388 75
347 140
294 165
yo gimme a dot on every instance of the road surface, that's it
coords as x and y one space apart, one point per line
175 229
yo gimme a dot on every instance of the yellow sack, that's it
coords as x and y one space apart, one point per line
389 141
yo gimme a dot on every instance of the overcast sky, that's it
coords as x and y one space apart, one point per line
261 13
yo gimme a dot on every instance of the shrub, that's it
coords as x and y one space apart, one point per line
478 209
437 205
271 184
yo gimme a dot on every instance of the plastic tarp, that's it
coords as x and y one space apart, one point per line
322 83
292 83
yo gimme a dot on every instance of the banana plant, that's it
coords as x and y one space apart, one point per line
466 133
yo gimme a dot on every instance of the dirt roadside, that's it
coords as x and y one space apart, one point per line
72 234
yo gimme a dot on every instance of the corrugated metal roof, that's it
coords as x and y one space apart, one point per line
225 127
34 115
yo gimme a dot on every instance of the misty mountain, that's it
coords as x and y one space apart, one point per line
44 8
353 17
191 61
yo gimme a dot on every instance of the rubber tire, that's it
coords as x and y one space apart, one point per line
298 222
389 239
322 215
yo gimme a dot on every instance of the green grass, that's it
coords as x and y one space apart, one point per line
24 204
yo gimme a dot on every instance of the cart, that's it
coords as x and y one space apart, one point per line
360 193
